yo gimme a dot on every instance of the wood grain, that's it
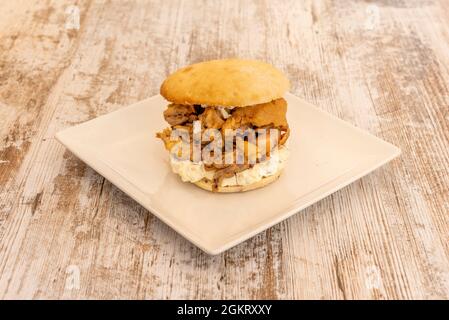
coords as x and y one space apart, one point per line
381 65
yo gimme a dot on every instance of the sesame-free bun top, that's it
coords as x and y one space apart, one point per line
229 82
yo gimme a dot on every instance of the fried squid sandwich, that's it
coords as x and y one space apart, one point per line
228 118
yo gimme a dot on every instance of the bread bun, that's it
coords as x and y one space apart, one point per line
228 83
207 184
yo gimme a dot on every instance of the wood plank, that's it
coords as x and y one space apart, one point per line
381 65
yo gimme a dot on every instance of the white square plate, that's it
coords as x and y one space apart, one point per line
326 155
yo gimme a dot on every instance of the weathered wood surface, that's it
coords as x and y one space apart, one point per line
381 65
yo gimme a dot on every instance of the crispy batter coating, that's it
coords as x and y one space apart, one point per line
211 118
260 115
176 114
271 115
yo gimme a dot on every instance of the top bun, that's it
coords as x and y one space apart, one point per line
229 83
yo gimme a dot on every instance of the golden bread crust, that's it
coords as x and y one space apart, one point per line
228 82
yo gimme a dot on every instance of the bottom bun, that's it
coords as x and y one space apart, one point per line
206 184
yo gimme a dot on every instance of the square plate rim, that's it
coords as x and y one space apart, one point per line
137 195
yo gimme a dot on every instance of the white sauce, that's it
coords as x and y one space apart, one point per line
193 172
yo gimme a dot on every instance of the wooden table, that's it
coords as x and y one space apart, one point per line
66 232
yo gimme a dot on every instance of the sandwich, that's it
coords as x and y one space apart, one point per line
228 127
